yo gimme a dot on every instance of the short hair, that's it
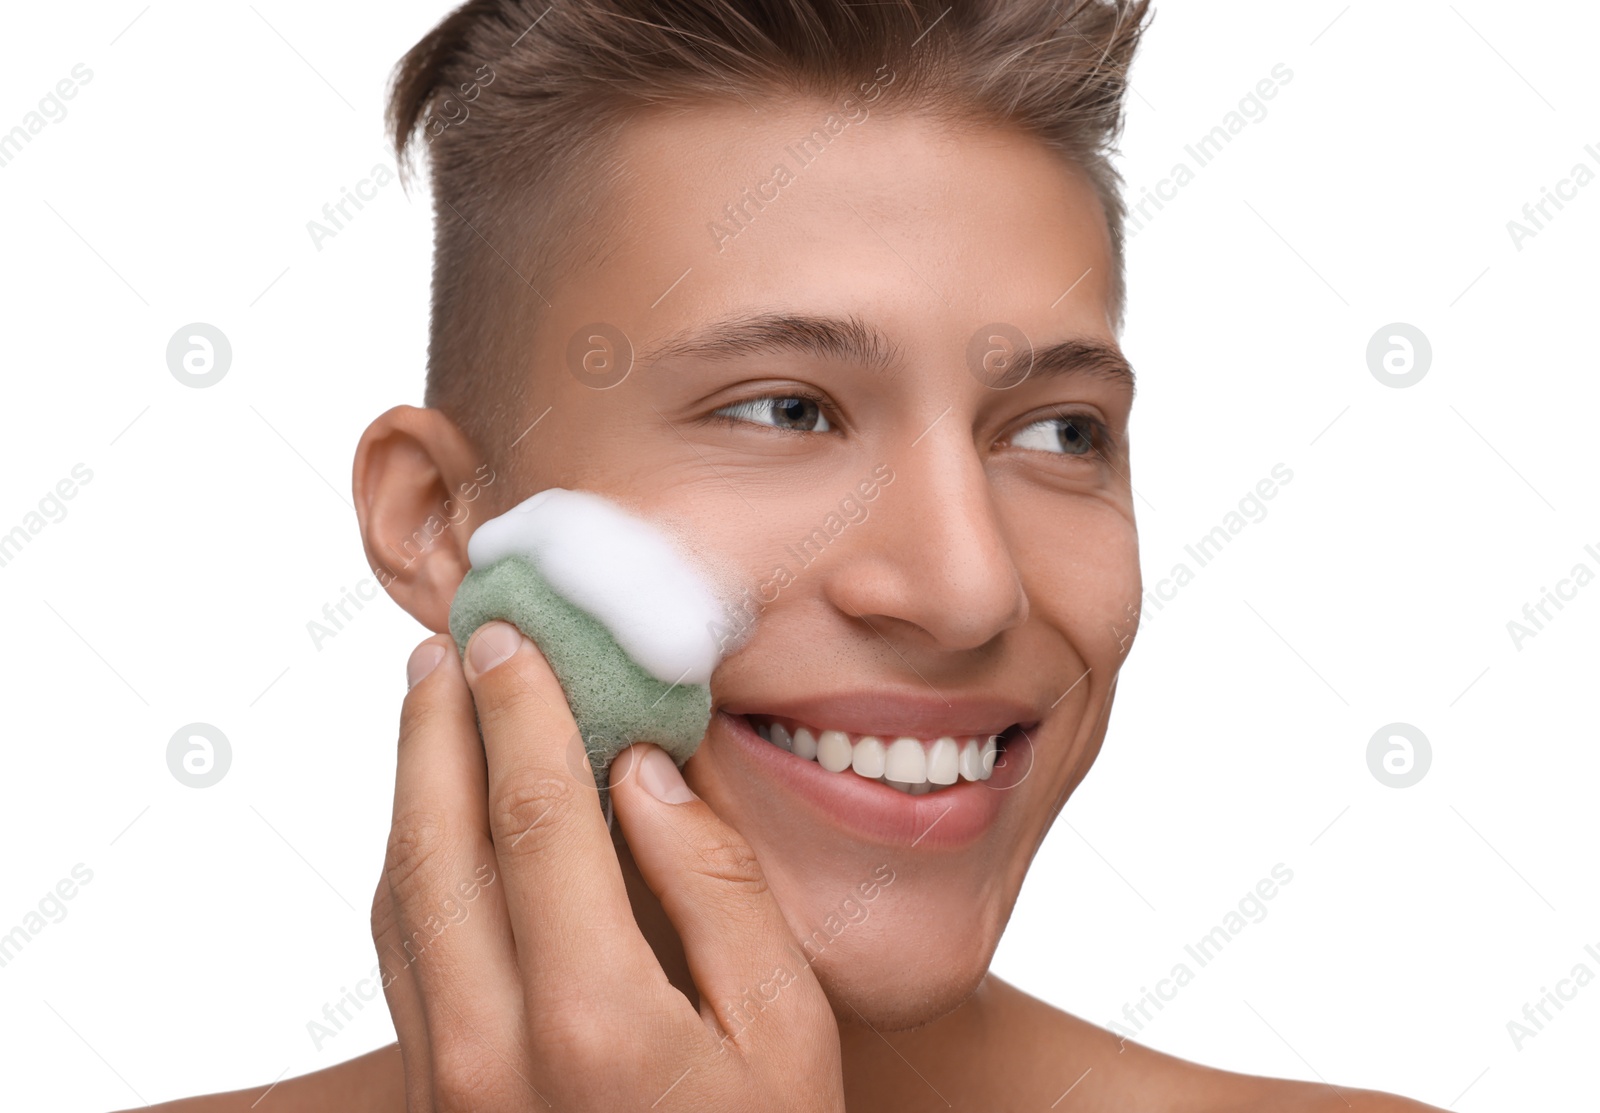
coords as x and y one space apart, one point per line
520 102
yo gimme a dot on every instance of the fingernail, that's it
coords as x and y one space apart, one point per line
424 659
493 643
659 776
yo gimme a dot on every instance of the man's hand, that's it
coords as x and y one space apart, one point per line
514 970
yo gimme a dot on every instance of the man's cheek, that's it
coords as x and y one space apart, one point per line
1104 601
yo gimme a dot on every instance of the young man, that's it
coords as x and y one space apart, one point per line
835 289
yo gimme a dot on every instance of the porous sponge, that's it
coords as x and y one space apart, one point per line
581 578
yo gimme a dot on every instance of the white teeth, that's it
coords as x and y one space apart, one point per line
805 744
921 788
944 760
991 747
834 751
971 760
868 758
906 764
906 761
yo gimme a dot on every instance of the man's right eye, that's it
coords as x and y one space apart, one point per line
794 412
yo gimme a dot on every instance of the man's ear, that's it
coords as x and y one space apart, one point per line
418 482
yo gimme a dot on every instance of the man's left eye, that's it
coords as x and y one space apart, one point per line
803 414
1069 435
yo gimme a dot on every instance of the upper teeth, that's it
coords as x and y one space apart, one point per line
913 765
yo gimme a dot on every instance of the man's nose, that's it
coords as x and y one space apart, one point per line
936 557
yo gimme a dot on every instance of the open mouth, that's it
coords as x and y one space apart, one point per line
914 766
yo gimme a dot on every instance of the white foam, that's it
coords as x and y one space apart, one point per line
619 568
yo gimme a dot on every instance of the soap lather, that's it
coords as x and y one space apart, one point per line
627 620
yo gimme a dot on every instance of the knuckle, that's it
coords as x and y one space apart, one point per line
421 716
578 1034
528 812
728 860
417 843
508 695
382 913
385 933
466 1078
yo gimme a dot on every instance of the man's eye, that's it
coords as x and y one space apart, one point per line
780 412
1068 435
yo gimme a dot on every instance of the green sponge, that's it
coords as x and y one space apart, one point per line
583 579
615 702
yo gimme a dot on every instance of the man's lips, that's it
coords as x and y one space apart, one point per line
895 714
953 817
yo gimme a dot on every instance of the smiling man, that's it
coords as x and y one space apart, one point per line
740 266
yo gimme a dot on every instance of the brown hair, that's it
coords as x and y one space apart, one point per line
518 109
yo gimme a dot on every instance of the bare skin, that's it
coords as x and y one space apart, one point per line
999 568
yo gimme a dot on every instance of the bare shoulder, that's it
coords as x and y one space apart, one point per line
1134 1076
373 1083
1276 1094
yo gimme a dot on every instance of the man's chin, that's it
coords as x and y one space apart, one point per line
886 999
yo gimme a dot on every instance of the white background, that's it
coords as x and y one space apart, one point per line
1419 521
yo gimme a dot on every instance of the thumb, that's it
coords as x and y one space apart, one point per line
740 951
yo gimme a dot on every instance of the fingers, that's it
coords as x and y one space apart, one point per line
568 908
405 1005
744 959
451 939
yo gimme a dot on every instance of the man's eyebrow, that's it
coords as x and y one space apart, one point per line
852 340
846 339
1083 356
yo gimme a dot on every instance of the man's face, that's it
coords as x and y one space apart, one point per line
930 548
